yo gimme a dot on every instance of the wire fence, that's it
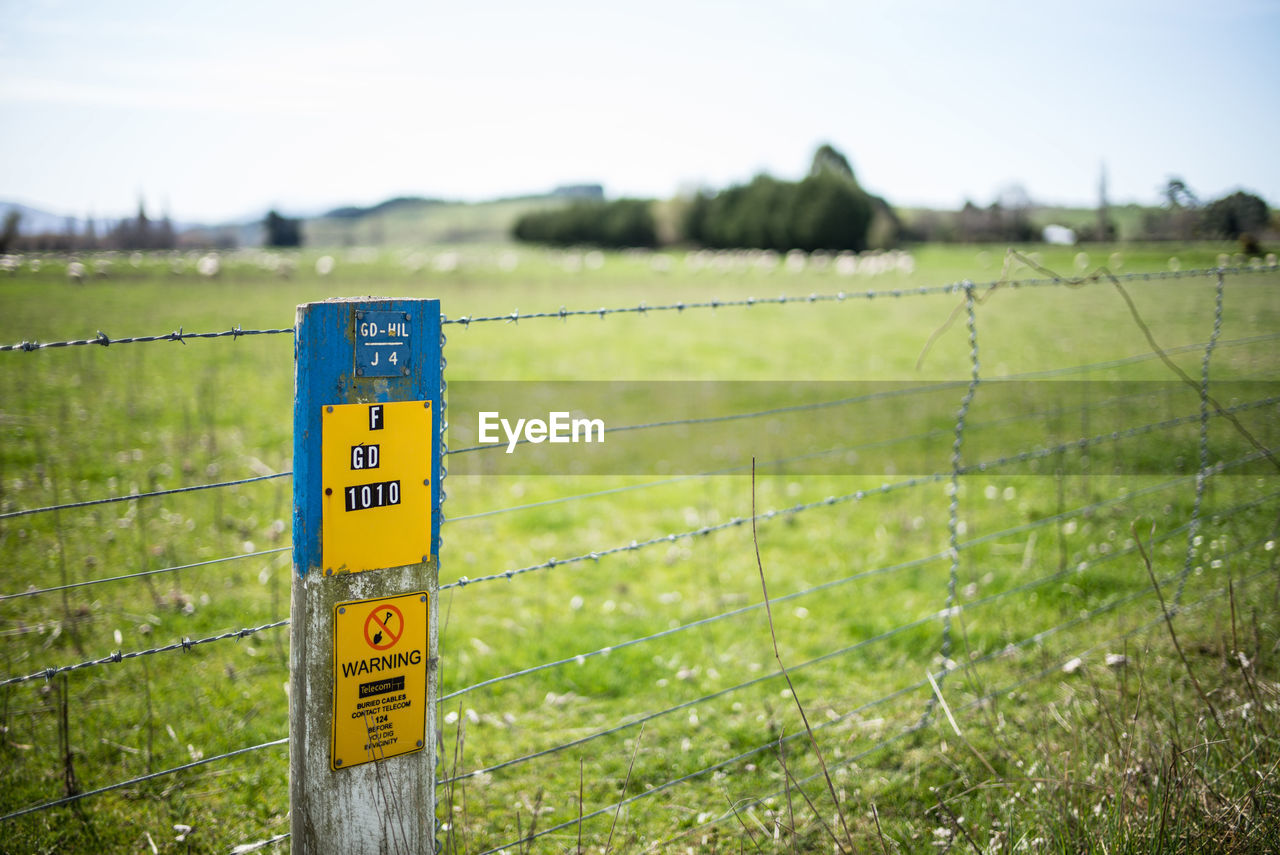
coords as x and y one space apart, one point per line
645 636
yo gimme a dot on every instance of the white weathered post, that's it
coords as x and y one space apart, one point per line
368 419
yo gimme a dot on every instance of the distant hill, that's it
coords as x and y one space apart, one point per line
410 220
403 220
35 221
417 219
352 212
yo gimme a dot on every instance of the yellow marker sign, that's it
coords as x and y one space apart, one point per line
379 679
376 473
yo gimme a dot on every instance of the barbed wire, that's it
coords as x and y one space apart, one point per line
142 573
857 495
919 724
915 389
979 701
891 568
883 743
141 779
953 506
728 690
1036 638
149 495
178 335
723 471
1020 457
1202 475
188 644
929 388
931 434
659 788
935 387
837 297
948 612
773 411
605 651
185 645
1042 522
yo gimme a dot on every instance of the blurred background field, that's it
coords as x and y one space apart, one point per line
685 722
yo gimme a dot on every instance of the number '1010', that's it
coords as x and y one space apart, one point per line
376 495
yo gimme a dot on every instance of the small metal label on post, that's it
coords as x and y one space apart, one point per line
383 346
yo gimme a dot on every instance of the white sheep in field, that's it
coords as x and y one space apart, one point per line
209 266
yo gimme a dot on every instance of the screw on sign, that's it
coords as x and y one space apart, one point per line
383 627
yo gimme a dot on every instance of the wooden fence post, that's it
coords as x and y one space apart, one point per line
363 671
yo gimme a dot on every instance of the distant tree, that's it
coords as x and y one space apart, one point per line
993 224
1180 217
622 223
9 235
282 231
628 223
826 210
164 236
693 223
829 212
1236 215
828 161
1178 195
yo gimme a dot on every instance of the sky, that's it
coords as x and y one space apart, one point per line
217 111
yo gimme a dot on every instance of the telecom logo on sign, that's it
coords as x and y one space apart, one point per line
380 679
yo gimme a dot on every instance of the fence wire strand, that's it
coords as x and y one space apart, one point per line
857 495
149 495
142 573
141 779
953 506
935 387
907 730
1202 472
1208 408
977 702
514 317
185 645
885 636
861 575
178 335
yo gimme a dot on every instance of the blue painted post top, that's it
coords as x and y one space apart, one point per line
368 419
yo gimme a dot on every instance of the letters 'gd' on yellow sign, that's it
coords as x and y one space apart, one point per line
376 474
379 679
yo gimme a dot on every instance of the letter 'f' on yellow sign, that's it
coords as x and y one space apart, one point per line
376 477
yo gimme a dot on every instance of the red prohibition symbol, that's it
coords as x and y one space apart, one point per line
383 627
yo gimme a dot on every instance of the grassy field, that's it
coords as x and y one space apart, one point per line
1138 746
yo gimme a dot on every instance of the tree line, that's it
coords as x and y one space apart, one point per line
130 233
827 209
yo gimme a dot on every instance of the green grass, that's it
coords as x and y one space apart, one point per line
1129 756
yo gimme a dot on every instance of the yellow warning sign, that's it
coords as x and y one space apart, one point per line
375 462
379 679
